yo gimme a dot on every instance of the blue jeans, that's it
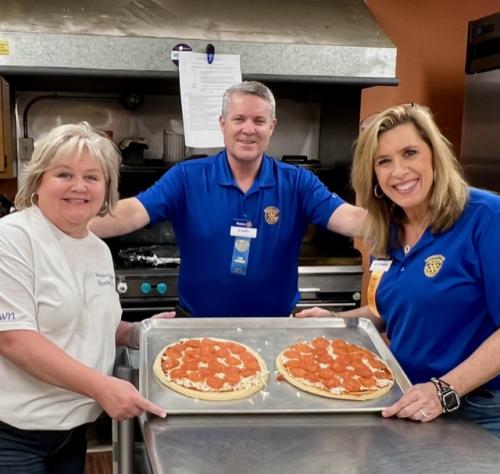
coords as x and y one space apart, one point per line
483 407
42 452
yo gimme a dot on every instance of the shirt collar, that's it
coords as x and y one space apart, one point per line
265 176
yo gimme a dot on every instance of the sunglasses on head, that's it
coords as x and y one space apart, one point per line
367 121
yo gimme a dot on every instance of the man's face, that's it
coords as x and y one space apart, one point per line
247 127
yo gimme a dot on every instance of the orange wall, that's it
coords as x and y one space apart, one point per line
430 37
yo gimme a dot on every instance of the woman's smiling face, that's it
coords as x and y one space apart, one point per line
72 192
403 167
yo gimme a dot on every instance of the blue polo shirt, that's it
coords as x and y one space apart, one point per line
442 300
201 199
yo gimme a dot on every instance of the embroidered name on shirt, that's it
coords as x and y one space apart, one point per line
7 316
103 279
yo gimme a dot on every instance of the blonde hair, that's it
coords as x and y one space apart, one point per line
449 192
62 142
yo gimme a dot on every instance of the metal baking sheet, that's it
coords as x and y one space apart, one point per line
268 336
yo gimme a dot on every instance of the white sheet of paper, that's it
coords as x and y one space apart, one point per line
202 86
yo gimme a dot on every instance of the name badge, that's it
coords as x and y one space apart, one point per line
243 232
380 266
246 232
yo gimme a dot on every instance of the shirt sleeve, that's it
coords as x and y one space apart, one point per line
17 291
489 258
317 201
164 198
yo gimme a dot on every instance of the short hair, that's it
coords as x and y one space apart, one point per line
449 191
62 142
249 88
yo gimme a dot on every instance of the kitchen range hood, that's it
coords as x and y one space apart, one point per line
330 41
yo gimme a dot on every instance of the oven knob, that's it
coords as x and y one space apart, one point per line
145 288
122 286
161 288
356 296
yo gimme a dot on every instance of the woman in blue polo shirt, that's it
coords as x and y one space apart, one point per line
435 269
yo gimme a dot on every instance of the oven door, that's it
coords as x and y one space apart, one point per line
335 287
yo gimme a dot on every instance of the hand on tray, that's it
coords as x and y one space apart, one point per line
121 400
314 313
420 403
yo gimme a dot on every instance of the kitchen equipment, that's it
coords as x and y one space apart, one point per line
174 149
301 160
480 150
268 336
133 150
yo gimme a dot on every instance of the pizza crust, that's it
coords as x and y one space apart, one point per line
213 396
363 395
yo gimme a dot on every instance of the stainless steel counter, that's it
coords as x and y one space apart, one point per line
314 444
337 443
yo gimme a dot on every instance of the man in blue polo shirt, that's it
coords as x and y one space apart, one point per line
239 216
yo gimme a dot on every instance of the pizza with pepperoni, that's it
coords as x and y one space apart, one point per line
208 368
335 368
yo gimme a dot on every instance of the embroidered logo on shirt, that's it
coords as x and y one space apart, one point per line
271 214
433 265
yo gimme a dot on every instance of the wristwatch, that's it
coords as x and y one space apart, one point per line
450 401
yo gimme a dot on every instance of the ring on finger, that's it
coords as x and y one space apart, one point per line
422 412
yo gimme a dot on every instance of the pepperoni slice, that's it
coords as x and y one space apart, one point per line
232 370
233 379
190 364
320 342
298 372
294 363
292 354
248 372
178 374
215 382
326 373
352 385
196 376
232 361
368 382
193 343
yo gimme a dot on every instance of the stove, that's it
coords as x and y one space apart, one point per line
146 278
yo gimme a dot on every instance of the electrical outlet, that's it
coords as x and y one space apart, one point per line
25 149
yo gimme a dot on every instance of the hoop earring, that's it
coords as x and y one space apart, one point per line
34 199
377 192
103 209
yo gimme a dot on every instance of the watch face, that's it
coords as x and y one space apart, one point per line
451 401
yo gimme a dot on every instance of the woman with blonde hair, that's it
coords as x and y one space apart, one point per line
435 273
59 310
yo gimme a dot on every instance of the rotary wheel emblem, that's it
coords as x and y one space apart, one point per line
271 215
433 265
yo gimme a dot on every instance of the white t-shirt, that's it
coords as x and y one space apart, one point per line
63 288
